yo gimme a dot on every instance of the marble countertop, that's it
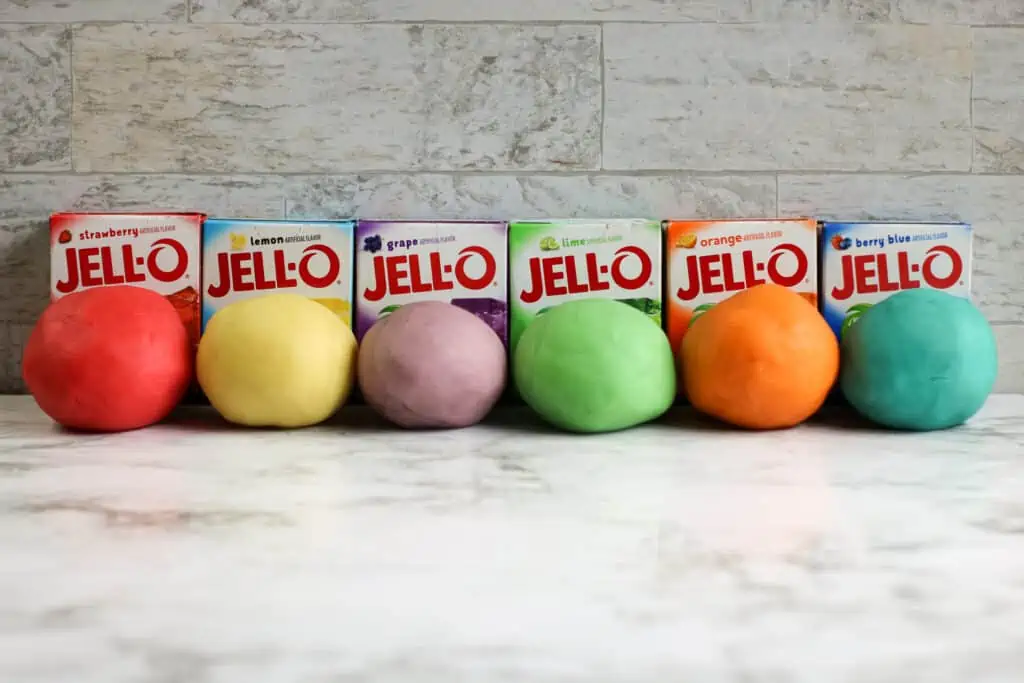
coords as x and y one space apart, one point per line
201 554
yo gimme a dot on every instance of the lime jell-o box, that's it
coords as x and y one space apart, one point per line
243 259
709 261
865 263
459 262
554 261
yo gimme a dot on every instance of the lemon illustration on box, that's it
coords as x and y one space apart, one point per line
865 263
554 261
244 259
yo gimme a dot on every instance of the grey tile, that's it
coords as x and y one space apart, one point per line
35 101
1010 342
876 11
92 10
12 337
994 205
538 196
976 12
27 200
240 98
781 96
470 10
999 100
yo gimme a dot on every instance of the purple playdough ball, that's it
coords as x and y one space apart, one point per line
432 364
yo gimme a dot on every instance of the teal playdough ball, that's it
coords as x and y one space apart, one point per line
595 365
919 360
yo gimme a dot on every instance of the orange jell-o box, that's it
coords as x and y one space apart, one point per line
709 261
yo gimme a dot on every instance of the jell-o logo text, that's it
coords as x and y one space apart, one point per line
583 273
735 271
473 269
317 267
892 271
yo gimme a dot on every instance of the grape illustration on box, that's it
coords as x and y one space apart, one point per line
865 263
459 262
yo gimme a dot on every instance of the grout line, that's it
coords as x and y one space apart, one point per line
970 114
496 22
71 80
778 205
529 173
604 97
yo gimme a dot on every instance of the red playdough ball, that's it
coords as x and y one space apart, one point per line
108 359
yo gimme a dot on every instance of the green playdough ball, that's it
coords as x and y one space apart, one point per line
595 365
919 360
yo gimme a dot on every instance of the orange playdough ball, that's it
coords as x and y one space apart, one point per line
762 359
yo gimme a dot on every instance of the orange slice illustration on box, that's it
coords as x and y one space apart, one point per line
687 240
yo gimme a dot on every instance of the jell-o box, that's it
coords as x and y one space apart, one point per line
157 251
865 263
554 261
458 262
709 261
249 258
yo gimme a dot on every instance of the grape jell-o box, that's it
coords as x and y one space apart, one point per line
157 251
710 261
243 259
552 262
459 262
865 263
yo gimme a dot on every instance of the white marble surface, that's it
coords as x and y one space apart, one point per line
674 552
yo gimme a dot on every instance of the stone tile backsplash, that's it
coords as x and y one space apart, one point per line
909 109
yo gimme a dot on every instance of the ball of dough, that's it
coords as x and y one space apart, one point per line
762 359
280 360
432 364
919 360
108 359
595 365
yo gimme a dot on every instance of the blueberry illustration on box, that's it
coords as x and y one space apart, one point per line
459 262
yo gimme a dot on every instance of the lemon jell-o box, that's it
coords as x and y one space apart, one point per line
243 259
865 263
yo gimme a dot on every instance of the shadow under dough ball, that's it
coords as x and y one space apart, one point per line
432 365
919 360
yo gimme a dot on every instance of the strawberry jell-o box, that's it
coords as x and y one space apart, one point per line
555 261
458 262
158 251
243 259
709 261
865 263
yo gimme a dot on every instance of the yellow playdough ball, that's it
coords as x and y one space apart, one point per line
280 360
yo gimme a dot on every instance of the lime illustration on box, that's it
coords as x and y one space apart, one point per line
157 251
243 259
711 260
458 262
554 261
867 262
